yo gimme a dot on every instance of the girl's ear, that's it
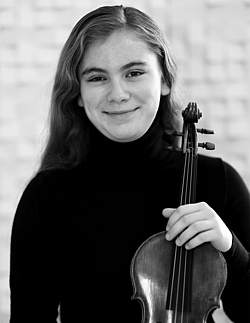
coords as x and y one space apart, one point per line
164 88
80 101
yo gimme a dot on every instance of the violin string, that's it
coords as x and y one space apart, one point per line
178 285
189 200
173 279
189 174
184 285
175 250
190 177
184 200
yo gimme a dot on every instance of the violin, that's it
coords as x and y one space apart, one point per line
173 284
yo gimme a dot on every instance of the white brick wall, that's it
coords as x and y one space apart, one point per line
212 43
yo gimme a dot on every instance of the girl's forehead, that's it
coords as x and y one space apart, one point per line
119 46
117 34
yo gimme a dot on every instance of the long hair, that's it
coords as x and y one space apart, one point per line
68 139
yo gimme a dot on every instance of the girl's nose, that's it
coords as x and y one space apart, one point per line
118 92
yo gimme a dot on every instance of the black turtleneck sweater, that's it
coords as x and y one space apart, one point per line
75 232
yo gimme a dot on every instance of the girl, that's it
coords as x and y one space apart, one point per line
106 182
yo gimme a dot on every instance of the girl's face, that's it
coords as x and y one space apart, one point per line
120 86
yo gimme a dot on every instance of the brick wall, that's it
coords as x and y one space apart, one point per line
212 42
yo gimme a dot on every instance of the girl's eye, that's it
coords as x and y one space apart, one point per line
97 79
135 74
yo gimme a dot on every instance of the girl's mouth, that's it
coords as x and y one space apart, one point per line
120 112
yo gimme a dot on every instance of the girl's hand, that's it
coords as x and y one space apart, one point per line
195 224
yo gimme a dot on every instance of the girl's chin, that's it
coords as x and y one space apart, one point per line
126 136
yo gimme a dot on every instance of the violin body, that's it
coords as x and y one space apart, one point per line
152 278
173 284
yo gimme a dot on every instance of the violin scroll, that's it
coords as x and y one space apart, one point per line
191 114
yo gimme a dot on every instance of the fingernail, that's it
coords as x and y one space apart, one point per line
177 241
167 228
168 236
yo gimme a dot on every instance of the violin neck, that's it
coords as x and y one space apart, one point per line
189 178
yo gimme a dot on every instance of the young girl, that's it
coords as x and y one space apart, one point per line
107 182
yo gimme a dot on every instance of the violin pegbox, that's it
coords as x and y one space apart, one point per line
191 115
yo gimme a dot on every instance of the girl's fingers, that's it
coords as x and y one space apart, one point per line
196 234
182 216
168 212
195 224
199 239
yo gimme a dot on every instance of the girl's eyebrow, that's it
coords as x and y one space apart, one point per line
90 70
135 63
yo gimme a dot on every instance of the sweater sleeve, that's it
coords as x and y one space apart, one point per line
236 296
34 274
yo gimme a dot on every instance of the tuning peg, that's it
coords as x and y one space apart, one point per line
205 131
172 133
173 148
169 135
207 145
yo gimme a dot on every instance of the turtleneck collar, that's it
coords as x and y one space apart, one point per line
134 156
